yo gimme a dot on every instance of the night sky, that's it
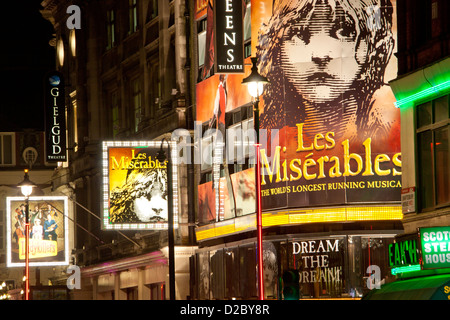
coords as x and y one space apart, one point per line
25 57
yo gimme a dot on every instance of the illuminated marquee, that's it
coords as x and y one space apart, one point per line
49 243
300 216
135 195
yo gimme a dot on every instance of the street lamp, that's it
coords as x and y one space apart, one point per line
255 85
26 187
161 157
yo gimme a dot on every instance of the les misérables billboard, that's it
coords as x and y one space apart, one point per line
48 242
331 130
135 186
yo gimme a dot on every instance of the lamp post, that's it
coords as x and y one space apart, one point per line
255 84
26 187
161 157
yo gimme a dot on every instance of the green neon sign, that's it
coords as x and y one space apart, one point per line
437 89
435 245
403 254
405 269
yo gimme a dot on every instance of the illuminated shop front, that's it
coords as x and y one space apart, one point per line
423 98
330 149
420 263
331 260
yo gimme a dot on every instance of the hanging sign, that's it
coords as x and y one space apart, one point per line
404 253
435 245
229 33
55 118
409 200
135 186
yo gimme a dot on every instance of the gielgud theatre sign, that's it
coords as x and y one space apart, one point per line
55 118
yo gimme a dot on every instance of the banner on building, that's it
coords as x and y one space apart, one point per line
135 186
55 117
329 129
48 238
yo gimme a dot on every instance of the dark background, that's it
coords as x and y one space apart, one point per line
25 57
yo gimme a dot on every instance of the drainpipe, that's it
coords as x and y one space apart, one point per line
189 126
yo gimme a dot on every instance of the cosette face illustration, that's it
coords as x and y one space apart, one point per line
322 55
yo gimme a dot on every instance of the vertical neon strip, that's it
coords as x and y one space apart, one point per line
259 223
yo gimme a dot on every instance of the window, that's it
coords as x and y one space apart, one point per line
132 293
201 36
133 16
73 97
207 151
240 139
152 11
433 132
2 238
157 291
154 81
115 113
136 102
247 30
110 29
7 149
434 10
423 25
171 16
239 147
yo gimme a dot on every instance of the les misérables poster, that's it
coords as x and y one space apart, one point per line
135 189
332 132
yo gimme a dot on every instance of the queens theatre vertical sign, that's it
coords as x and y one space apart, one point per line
228 30
55 118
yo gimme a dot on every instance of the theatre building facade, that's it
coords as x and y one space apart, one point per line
331 166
